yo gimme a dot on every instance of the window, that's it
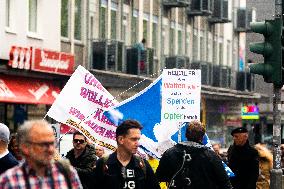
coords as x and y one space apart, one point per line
145 23
187 44
221 53
172 42
78 20
209 49
202 46
179 42
124 36
195 45
154 36
8 13
103 22
33 16
134 30
228 49
215 50
65 18
113 24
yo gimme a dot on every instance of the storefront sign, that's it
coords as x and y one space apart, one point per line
41 60
27 90
250 112
20 57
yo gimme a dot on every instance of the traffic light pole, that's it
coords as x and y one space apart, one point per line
276 172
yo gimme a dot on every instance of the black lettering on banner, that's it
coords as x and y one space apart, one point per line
88 135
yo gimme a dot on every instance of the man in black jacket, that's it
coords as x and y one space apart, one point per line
243 160
191 165
83 158
123 169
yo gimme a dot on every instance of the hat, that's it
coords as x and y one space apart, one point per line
239 130
4 133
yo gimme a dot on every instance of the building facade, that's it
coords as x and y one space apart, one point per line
102 36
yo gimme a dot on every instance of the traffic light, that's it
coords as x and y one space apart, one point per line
271 49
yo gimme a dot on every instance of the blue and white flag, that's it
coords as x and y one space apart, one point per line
145 107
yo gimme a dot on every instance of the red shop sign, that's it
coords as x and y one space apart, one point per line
20 57
41 60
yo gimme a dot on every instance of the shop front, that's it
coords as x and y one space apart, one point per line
30 82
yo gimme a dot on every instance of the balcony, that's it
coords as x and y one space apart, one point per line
108 55
206 71
245 81
220 12
176 3
180 62
244 17
200 8
140 62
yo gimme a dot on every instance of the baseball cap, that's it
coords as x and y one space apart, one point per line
4 133
239 130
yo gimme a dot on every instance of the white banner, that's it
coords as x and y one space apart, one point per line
80 105
181 92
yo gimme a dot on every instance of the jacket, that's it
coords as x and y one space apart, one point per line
112 175
84 164
7 162
195 162
244 162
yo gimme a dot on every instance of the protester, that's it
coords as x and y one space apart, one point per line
7 160
243 160
192 165
216 147
141 50
100 151
123 169
83 158
265 165
13 147
37 144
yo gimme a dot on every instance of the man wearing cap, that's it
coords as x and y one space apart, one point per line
7 160
243 160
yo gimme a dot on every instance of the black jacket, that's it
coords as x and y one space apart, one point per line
110 174
205 169
84 164
7 162
244 162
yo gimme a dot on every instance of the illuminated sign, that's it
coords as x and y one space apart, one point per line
250 112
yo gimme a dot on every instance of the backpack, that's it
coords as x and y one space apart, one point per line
138 158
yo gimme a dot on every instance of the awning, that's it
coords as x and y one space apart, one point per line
24 90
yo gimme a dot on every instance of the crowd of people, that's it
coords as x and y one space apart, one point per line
29 159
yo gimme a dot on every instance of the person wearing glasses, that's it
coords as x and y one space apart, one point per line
83 158
38 170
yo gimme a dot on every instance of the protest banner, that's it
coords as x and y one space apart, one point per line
181 92
80 105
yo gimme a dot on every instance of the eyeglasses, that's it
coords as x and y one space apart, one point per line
80 141
45 145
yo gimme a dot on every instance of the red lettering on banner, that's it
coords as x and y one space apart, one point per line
91 80
76 113
92 97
